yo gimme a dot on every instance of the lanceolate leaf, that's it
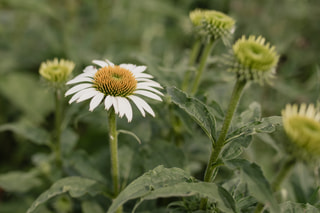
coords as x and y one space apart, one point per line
196 109
257 183
174 182
75 186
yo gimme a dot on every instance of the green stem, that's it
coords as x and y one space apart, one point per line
213 164
203 61
57 124
192 60
114 151
277 181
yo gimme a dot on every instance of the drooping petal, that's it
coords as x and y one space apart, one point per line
149 88
79 94
125 108
148 94
95 101
77 88
115 104
107 102
100 63
87 95
141 105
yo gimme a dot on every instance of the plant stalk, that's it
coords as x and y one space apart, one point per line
114 151
203 61
213 164
57 125
193 57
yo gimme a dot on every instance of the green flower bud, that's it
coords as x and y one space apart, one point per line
212 24
253 60
55 71
302 126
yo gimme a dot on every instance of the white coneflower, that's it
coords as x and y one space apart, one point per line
115 85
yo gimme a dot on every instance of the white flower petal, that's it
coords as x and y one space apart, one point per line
149 88
77 88
107 102
90 69
142 75
150 84
100 63
87 95
148 94
80 79
115 104
128 66
95 101
139 69
79 94
125 108
141 105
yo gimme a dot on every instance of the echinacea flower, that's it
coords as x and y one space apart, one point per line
56 71
302 125
115 86
252 59
213 24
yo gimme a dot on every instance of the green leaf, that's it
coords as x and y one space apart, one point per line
174 182
75 186
291 207
25 92
234 148
196 109
19 182
34 134
257 183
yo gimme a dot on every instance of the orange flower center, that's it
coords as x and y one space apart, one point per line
115 81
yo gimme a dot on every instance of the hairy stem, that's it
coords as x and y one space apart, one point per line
213 164
57 125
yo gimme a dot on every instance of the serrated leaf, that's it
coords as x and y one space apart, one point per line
34 134
162 182
151 180
257 183
75 186
19 182
196 109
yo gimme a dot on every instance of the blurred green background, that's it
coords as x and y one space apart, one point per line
157 33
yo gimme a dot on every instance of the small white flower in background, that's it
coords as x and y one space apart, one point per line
115 85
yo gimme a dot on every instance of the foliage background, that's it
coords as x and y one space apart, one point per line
158 34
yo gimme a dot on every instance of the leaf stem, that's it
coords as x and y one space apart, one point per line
203 61
213 163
